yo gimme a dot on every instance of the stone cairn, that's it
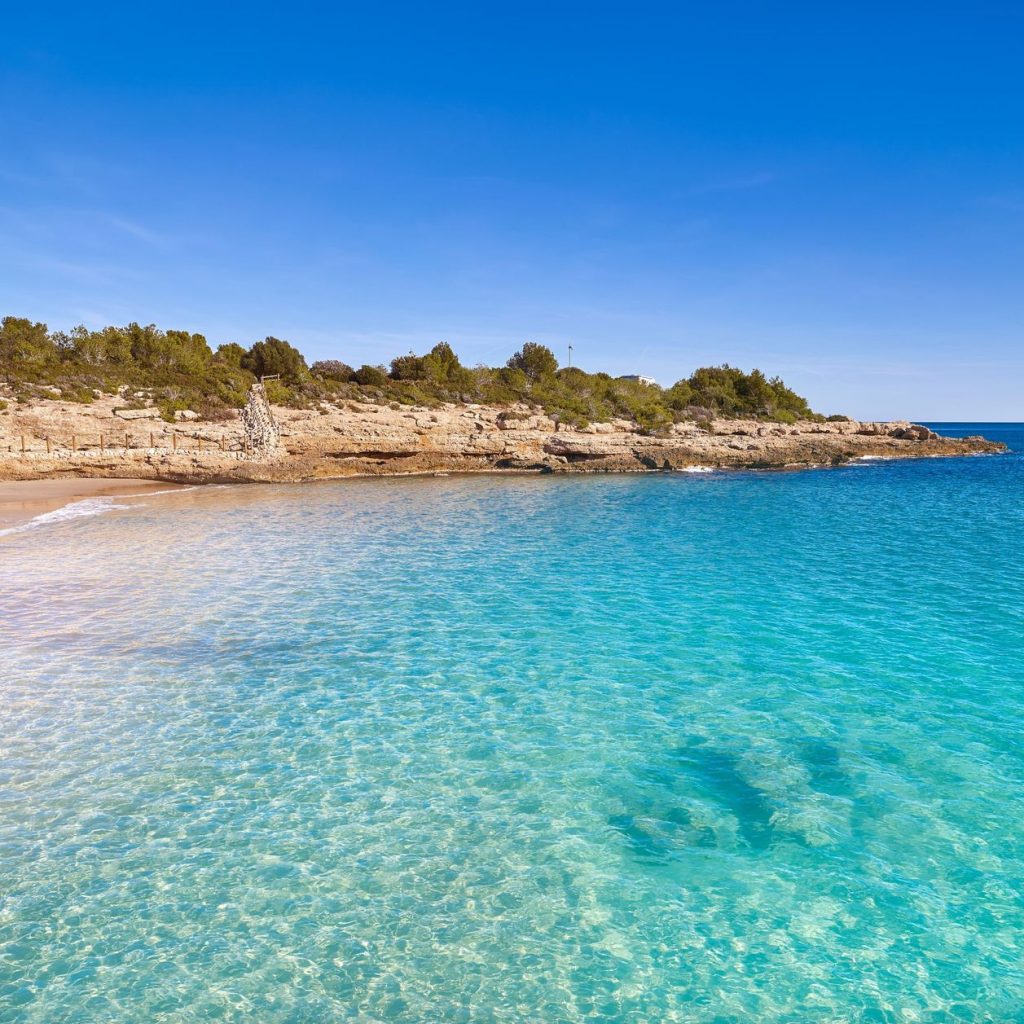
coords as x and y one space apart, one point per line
262 436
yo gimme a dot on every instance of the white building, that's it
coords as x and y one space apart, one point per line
639 378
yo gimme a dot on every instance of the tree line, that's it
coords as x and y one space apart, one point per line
179 369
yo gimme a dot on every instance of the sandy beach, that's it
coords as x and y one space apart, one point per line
22 500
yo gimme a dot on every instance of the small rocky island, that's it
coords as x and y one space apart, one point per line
137 402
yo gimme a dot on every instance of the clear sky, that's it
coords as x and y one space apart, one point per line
832 192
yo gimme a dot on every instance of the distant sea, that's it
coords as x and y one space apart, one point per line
723 747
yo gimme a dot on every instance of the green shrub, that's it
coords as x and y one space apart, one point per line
534 360
214 410
82 395
230 354
371 376
278 393
332 369
169 406
410 367
652 418
273 356
22 341
179 370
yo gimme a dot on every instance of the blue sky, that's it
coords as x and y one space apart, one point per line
832 192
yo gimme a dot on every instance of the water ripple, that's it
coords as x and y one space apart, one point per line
672 748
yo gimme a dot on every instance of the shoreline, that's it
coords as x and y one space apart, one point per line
21 501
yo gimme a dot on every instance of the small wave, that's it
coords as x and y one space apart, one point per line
74 510
696 469
173 490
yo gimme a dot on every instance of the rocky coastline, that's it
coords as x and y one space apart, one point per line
55 439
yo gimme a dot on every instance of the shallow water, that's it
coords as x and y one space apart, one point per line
716 748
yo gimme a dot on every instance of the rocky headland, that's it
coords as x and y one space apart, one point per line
54 438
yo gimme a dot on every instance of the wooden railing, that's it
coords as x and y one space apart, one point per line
103 443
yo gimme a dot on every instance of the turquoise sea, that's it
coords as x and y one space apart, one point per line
725 747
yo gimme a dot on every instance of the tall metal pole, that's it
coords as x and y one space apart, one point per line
570 357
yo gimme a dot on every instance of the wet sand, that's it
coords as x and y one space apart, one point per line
22 500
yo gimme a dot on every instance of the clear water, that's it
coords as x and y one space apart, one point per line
723 748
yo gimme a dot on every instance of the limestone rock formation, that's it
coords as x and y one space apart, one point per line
52 437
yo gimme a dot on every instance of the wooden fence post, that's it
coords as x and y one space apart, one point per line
47 444
127 440
101 444
174 440
74 443
22 444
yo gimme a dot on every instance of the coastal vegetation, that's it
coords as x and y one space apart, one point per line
178 370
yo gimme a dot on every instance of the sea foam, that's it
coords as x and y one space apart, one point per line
73 510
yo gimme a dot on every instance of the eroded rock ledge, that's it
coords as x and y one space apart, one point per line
357 439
